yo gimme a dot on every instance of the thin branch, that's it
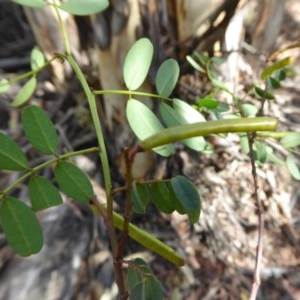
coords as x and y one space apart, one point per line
261 223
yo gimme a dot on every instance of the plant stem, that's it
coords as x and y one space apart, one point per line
105 168
63 29
130 93
261 223
128 206
119 276
45 164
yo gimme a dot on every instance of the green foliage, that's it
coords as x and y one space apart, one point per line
21 227
187 195
37 58
140 197
184 123
162 197
32 3
25 92
174 117
275 67
166 77
73 181
137 63
144 123
292 166
11 155
291 140
142 282
4 85
42 193
262 94
84 8
39 130
207 102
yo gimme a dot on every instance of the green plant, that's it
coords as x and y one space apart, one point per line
183 123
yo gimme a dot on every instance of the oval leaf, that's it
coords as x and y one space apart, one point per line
262 94
207 102
175 201
161 197
4 86
137 63
11 155
273 158
39 130
186 193
31 3
140 197
21 227
167 76
73 181
293 168
249 110
144 123
273 83
244 142
135 282
194 64
195 214
291 140
25 92
190 114
42 193
84 8
260 152
37 58
153 289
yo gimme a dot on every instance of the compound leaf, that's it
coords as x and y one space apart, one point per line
11 155
42 193
137 63
73 181
84 8
21 227
39 129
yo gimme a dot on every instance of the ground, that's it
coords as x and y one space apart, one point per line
219 249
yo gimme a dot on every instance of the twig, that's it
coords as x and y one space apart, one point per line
261 223
128 208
